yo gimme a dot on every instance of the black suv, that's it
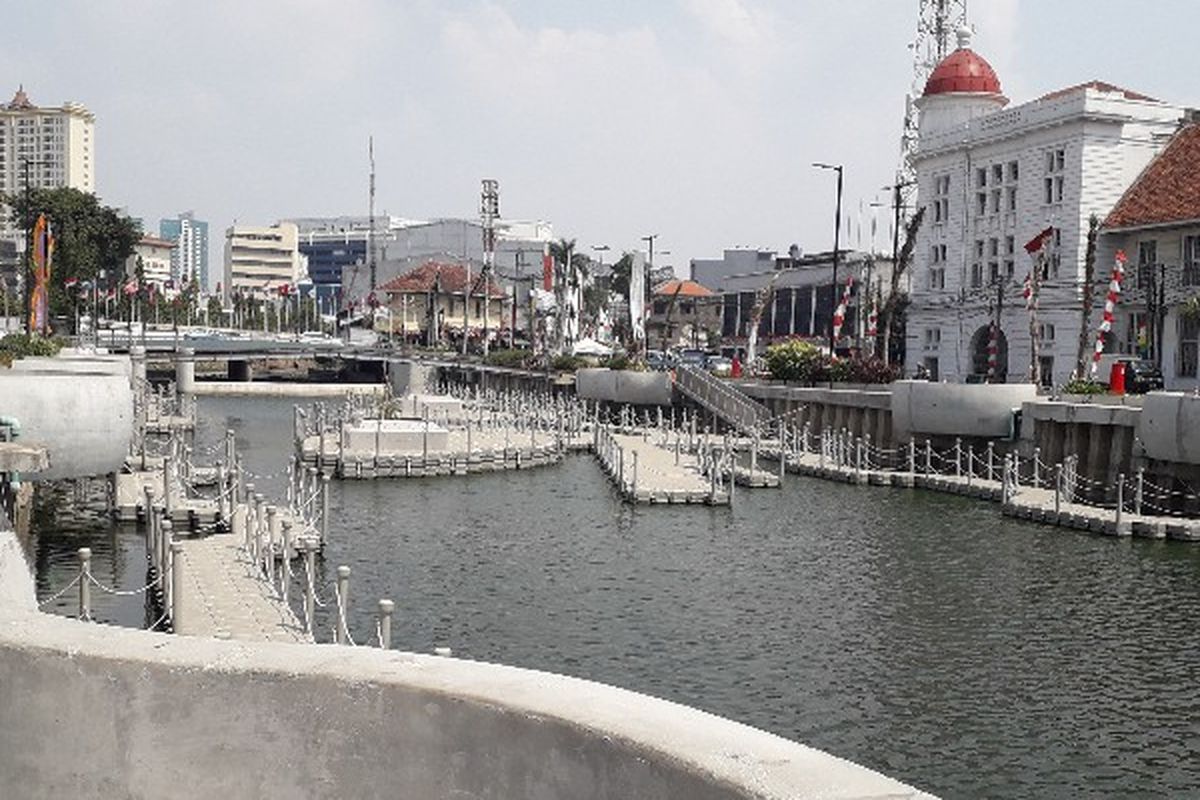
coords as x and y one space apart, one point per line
1142 376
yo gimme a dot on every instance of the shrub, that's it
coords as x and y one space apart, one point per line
1084 386
796 360
566 363
802 361
19 345
514 359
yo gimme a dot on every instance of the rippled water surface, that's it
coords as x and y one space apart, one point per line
921 635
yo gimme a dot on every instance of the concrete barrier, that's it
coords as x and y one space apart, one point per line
83 417
1169 427
921 408
624 386
93 711
411 377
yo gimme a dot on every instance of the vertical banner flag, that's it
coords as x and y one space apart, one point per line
993 352
839 315
547 269
43 257
1110 303
637 297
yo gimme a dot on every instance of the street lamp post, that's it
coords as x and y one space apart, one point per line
837 235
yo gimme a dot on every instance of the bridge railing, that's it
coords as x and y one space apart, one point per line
717 396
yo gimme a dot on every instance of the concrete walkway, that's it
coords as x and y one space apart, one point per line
222 596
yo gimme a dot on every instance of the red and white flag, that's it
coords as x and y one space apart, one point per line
1110 304
131 287
1038 242
1027 292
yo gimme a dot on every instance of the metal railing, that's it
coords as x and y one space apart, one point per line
719 397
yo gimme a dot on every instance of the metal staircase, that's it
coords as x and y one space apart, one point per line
712 393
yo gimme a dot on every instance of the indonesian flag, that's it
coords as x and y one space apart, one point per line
69 282
873 321
284 289
547 268
1038 242
1110 303
131 287
839 314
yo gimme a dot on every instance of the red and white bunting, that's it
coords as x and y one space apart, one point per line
1027 293
873 321
839 314
1110 304
993 351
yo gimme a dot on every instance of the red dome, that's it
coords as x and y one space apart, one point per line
964 70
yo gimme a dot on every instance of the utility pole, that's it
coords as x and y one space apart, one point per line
27 271
489 210
837 234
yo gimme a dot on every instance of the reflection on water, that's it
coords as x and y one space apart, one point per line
924 636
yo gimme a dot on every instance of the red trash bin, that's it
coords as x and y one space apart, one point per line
1116 378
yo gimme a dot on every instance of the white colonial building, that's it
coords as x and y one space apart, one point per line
991 177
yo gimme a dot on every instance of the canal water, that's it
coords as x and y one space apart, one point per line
921 635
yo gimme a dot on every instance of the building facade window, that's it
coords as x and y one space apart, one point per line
1189 347
941 198
937 267
1191 261
1147 258
933 338
1053 182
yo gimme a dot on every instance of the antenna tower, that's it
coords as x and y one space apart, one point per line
937 23
371 264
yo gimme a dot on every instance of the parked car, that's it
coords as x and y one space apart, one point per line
720 365
657 360
693 358
1142 376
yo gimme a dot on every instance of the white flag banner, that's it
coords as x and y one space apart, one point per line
637 297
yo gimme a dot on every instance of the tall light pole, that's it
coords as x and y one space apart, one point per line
649 239
489 210
837 237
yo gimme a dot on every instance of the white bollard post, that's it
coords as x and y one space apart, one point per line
991 452
386 608
1137 497
310 599
1058 486
176 585
1120 499
1037 474
85 583
343 587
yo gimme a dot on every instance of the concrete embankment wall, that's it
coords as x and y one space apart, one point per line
865 411
624 386
94 711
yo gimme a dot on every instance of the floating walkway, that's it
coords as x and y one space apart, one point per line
646 473
1042 494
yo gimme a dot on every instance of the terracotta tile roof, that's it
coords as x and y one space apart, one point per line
1168 190
685 289
450 278
1100 86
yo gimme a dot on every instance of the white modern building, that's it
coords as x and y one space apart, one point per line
190 257
991 177
54 147
259 260
156 256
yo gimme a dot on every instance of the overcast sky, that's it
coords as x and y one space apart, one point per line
696 120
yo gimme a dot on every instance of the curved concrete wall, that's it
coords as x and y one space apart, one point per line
624 386
94 711
82 416
921 408
1169 427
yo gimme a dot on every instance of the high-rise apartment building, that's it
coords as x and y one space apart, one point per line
48 147
189 259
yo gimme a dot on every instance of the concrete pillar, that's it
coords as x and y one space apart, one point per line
386 607
343 604
185 371
137 360
85 583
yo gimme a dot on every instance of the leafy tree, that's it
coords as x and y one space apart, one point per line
892 315
1089 276
89 237
620 275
